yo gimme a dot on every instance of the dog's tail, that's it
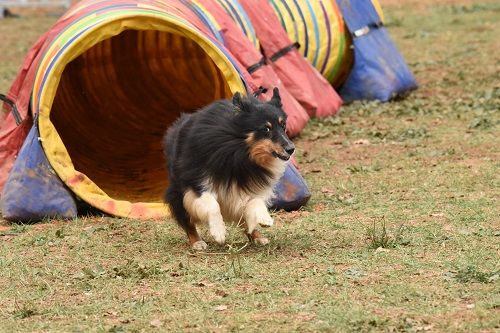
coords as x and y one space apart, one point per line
172 140
174 199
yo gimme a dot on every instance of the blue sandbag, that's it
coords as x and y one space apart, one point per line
291 191
33 191
379 71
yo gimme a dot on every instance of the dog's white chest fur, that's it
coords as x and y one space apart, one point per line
233 201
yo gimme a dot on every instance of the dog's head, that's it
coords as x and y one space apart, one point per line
264 124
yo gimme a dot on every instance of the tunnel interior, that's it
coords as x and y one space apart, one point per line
115 101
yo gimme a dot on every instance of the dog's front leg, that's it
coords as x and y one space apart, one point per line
256 213
256 237
206 210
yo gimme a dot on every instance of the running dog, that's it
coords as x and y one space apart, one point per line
223 162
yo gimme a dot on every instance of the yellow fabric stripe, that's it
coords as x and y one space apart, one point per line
379 10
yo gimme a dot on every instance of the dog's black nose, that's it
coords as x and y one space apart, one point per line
290 150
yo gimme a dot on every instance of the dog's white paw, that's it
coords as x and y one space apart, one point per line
256 213
261 241
199 245
218 232
265 220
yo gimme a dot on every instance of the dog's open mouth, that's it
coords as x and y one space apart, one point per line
281 157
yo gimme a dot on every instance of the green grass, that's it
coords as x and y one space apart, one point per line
401 233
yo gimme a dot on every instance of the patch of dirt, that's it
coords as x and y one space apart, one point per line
289 216
345 155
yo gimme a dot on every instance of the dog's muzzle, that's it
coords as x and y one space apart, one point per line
282 157
288 150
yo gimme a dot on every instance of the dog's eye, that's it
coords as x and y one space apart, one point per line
267 129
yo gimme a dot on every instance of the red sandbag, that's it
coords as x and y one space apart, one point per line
12 134
303 81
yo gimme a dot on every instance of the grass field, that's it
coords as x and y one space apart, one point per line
401 234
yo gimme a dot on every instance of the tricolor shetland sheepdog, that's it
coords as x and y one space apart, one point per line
223 162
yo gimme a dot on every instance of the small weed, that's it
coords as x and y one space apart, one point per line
380 238
92 273
39 240
364 168
411 133
347 199
15 229
480 123
117 329
367 325
59 233
334 121
331 278
357 169
24 311
413 325
234 255
472 274
354 273
135 270
378 134
19 228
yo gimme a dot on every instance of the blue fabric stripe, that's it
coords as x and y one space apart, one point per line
316 32
306 42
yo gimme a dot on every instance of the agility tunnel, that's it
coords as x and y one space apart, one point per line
82 123
317 26
345 40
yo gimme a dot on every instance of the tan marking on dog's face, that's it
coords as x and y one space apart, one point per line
269 125
250 138
282 122
261 152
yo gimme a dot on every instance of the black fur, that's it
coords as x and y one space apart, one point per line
211 144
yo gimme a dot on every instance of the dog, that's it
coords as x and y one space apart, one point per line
223 162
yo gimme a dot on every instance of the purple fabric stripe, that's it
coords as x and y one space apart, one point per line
329 45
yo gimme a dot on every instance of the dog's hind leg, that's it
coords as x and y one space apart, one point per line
194 238
175 198
206 209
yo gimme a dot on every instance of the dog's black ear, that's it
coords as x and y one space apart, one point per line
237 101
276 99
